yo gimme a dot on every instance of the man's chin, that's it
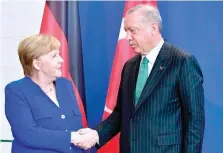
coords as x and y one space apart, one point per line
137 51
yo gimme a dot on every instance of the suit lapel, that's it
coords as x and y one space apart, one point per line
133 74
158 70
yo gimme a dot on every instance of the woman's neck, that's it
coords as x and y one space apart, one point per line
45 83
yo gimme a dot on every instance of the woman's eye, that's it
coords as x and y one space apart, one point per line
133 30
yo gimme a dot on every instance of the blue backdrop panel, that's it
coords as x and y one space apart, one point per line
100 25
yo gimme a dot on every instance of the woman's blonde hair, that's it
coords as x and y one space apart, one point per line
33 47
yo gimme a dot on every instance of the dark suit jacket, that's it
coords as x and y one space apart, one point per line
37 124
169 116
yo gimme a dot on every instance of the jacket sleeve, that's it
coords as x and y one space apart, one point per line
24 127
192 96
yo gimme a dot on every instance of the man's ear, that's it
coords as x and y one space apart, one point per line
155 28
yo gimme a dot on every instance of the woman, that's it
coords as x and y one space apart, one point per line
41 107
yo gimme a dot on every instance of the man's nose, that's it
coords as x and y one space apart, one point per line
128 36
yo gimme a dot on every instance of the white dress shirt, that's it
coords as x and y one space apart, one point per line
152 55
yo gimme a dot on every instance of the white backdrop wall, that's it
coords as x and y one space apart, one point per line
18 19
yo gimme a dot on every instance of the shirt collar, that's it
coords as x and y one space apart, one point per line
152 55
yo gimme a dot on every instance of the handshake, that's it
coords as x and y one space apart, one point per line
85 138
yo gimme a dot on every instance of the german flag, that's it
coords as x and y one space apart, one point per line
61 19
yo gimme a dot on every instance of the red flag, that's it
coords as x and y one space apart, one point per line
122 54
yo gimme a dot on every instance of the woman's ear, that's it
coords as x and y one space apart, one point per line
36 64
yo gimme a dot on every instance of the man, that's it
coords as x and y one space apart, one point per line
160 105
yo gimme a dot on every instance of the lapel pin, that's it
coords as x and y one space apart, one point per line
161 68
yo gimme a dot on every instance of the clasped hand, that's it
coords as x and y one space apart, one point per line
85 138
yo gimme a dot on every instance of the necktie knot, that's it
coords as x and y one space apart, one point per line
145 60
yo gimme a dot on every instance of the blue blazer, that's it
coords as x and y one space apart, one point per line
38 125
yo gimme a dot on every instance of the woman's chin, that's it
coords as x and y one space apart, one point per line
58 74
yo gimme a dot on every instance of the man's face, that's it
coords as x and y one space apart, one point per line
139 34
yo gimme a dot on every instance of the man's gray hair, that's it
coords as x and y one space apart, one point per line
150 13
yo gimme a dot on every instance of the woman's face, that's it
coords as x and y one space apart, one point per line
50 64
